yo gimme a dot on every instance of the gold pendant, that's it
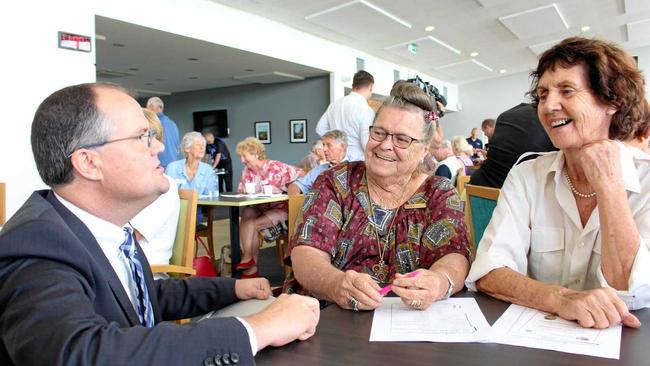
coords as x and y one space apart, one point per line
381 271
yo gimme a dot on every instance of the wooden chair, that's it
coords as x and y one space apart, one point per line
481 202
461 181
184 247
295 209
3 208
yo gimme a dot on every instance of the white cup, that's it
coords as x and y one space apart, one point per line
250 188
268 190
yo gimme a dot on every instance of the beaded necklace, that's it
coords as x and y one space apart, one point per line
574 190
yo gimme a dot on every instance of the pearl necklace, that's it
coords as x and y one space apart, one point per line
574 190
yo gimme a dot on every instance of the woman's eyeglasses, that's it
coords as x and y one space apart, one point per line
399 140
145 137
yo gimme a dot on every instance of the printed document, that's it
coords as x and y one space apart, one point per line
451 320
521 326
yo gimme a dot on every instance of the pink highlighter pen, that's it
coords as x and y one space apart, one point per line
384 291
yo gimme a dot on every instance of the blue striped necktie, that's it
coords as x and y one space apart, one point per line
144 308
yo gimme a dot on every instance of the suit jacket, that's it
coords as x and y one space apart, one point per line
62 303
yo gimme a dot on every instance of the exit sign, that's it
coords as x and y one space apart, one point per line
75 42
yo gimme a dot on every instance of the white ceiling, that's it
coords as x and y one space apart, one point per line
152 62
508 36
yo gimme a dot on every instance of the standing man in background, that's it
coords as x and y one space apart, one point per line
218 156
352 115
171 141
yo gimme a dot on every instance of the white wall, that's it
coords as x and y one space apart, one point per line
485 99
34 67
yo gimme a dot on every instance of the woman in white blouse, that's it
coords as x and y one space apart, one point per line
571 231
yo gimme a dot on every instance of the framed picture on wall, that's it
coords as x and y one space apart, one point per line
263 131
298 130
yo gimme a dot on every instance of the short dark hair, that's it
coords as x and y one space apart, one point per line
63 122
613 77
362 79
488 122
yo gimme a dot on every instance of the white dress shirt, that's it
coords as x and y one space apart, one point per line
352 115
157 224
109 237
536 229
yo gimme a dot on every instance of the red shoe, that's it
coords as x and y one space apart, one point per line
252 275
246 265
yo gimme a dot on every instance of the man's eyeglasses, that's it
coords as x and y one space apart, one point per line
399 140
146 137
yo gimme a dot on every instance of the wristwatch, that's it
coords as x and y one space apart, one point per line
450 290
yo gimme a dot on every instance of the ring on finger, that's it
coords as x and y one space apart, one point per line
416 303
354 303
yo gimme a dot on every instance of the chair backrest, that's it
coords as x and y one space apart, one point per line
481 202
295 207
183 252
2 204
461 181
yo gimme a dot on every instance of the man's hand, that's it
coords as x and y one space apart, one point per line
598 308
288 318
358 286
254 288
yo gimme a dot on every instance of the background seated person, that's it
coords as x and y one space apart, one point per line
334 147
463 151
367 223
260 171
191 172
571 232
448 164
155 225
475 143
315 157
519 131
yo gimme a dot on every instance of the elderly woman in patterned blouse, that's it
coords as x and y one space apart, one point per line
367 224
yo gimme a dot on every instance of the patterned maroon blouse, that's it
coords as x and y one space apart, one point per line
335 219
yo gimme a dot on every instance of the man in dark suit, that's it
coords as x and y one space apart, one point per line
517 131
74 288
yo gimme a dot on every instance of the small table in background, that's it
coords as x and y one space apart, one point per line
234 201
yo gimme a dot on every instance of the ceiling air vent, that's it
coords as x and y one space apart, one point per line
110 74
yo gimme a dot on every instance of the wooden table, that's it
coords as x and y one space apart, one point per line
234 203
342 339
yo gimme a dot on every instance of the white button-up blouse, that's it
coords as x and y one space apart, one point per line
536 229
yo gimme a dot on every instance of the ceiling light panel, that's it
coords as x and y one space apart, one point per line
345 19
634 6
464 70
639 31
269 78
489 3
430 51
538 49
535 22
